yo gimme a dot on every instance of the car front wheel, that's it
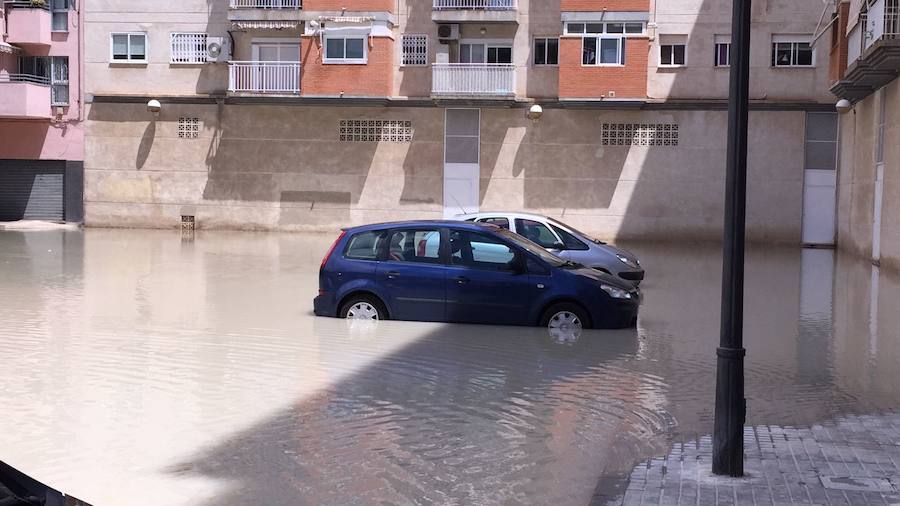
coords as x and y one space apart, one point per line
565 316
363 307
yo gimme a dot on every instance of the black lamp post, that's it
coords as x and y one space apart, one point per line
728 435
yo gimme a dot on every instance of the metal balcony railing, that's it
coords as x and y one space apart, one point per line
266 4
28 4
483 5
486 79
24 78
263 77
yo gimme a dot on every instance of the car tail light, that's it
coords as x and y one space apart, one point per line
331 249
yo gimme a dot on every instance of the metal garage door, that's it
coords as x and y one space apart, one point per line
31 190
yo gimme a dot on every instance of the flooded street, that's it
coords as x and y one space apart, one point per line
139 365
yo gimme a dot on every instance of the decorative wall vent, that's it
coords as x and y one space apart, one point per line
376 130
639 134
188 128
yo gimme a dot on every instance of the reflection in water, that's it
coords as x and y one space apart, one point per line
192 367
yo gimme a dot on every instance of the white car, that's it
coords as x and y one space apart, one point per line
566 242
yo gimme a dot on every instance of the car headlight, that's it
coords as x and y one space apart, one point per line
627 261
616 293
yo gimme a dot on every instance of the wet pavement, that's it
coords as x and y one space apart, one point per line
141 367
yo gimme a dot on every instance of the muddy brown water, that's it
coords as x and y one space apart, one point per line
142 367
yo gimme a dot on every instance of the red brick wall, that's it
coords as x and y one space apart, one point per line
351 5
838 57
372 79
582 81
599 5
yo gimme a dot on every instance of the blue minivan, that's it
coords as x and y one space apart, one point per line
451 271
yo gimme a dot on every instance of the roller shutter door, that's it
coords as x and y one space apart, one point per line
32 190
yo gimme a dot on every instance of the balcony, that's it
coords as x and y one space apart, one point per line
277 14
474 11
27 24
473 80
277 78
24 96
873 52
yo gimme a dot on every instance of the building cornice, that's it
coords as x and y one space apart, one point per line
570 104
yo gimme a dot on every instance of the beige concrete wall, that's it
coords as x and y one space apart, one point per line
702 20
856 181
159 18
271 167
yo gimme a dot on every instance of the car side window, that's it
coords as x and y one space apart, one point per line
415 245
500 222
570 240
365 245
536 232
480 251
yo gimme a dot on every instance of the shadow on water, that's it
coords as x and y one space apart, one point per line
465 414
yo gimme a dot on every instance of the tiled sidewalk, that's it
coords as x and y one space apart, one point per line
852 460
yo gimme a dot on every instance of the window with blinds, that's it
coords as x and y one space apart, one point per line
188 48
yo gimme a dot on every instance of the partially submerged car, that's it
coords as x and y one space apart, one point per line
456 271
566 242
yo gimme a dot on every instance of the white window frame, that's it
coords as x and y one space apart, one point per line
721 40
620 61
624 33
546 51
795 41
672 64
416 40
64 10
344 60
130 60
200 58
489 44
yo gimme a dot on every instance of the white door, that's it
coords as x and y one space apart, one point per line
462 171
276 78
819 198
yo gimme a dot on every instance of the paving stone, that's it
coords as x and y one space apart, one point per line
851 460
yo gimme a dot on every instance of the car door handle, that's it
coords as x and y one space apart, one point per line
462 280
393 275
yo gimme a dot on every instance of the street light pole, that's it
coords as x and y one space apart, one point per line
728 435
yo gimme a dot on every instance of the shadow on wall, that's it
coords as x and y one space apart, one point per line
556 164
146 145
415 80
304 166
543 21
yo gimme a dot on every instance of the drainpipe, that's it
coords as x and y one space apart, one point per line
79 10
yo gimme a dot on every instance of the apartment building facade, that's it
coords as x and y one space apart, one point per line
41 110
865 46
277 114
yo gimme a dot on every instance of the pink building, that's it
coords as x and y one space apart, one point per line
41 110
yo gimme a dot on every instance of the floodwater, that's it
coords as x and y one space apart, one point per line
141 367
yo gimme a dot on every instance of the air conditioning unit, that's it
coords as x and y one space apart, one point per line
216 49
448 32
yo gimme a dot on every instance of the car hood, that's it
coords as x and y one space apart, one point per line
613 251
601 276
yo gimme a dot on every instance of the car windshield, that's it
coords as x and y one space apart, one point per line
533 248
575 231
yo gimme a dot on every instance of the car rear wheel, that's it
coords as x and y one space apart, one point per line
363 307
565 317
